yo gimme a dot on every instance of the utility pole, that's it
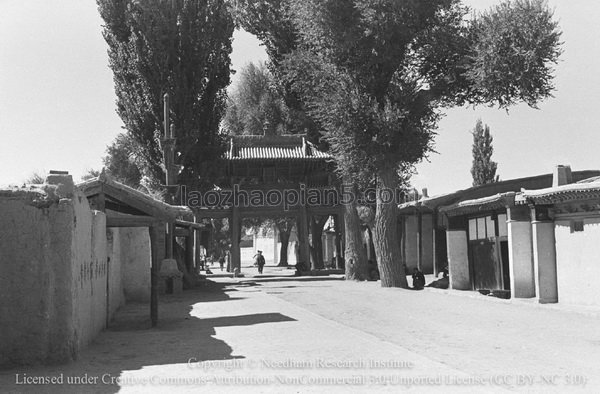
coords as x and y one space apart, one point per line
168 147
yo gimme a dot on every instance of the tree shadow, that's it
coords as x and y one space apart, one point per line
247 320
131 348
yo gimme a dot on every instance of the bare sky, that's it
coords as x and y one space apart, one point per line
57 103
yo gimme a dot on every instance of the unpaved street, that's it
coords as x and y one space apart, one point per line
316 334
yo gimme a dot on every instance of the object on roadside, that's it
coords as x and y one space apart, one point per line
442 283
418 280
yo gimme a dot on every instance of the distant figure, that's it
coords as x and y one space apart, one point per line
418 280
221 262
259 261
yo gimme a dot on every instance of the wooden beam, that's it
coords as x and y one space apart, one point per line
143 204
120 207
130 221
186 224
92 189
183 232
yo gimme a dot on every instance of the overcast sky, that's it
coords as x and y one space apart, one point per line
57 101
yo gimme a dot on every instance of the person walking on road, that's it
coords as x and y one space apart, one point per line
259 261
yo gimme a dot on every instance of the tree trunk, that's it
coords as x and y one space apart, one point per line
284 238
284 227
355 254
387 243
317 223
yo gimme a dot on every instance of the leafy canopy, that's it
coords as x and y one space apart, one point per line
256 106
377 73
180 47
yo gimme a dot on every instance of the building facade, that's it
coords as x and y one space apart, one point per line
524 238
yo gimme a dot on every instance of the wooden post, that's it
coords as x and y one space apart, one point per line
275 238
157 247
339 237
235 225
420 241
434 240
189 250
197 240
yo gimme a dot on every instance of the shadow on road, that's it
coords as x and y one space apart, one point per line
130 348
246 320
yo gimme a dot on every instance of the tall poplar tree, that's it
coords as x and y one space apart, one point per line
483 168
180 47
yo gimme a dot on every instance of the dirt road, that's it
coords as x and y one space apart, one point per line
285 334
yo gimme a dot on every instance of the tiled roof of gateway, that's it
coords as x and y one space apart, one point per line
280 147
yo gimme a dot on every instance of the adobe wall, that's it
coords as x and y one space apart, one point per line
116 297
576 262
53 274
89 262
136 261
30 280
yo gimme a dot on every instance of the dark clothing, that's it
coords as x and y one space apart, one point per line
259 260
418 280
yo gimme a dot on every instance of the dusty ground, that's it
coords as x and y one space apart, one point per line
284 334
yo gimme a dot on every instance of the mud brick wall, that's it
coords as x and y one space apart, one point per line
53 274
135 259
